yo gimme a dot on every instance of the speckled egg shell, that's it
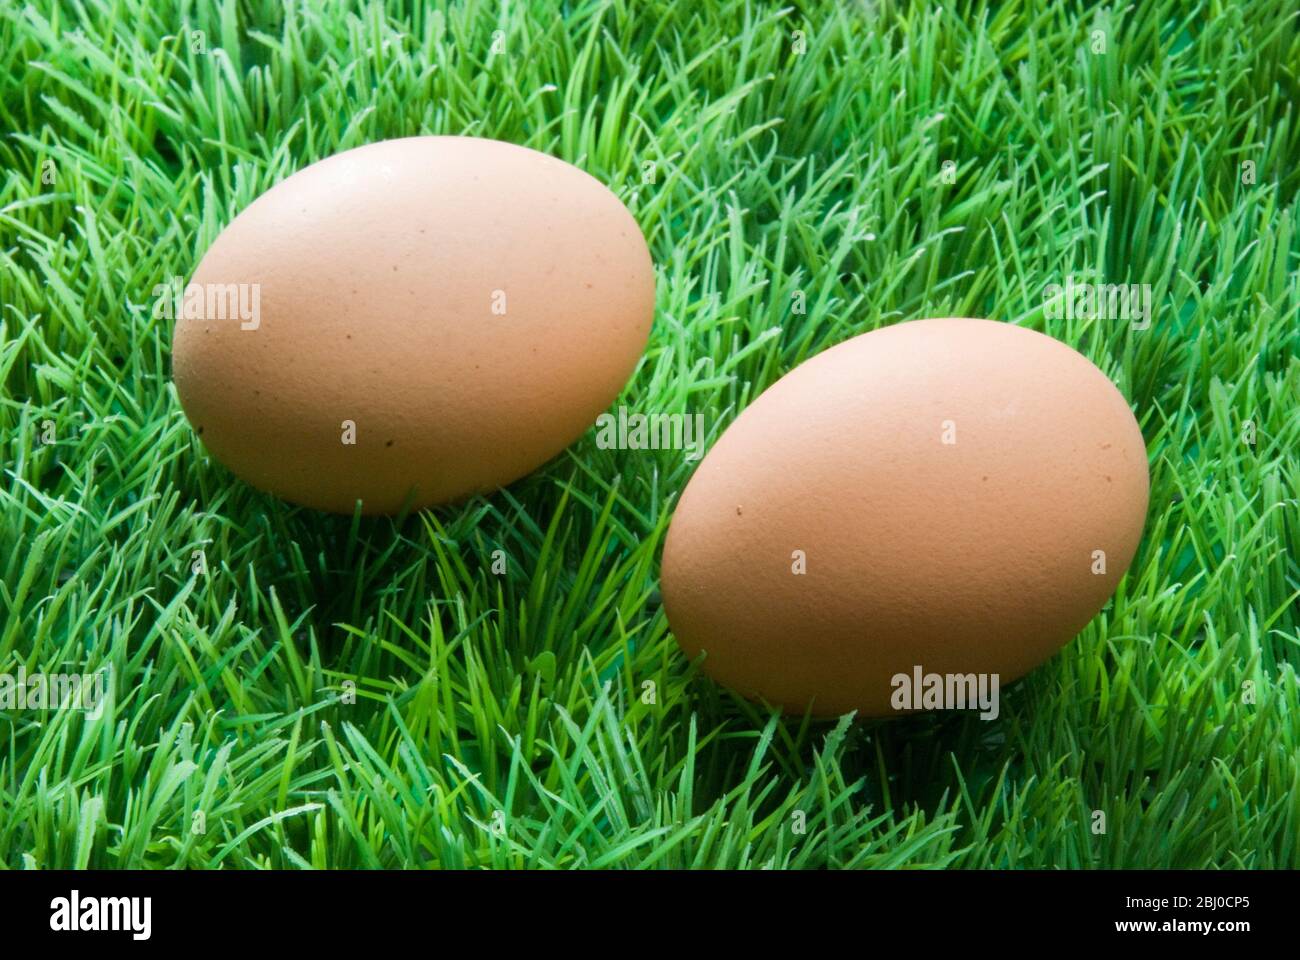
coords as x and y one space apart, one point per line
468 306
948 484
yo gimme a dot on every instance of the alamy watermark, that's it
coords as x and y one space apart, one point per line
177 300
655 431
75 913
1082 300
52 691
945 691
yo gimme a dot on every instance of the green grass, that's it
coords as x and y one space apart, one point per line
499 720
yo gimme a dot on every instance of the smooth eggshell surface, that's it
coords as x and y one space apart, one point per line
469 306
969 556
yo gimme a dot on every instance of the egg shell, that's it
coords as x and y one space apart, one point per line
468 306
971 556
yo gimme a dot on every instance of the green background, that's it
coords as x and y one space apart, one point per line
499 721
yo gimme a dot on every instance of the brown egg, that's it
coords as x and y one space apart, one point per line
422 320
937 498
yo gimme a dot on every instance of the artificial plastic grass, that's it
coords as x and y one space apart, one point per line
796 153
